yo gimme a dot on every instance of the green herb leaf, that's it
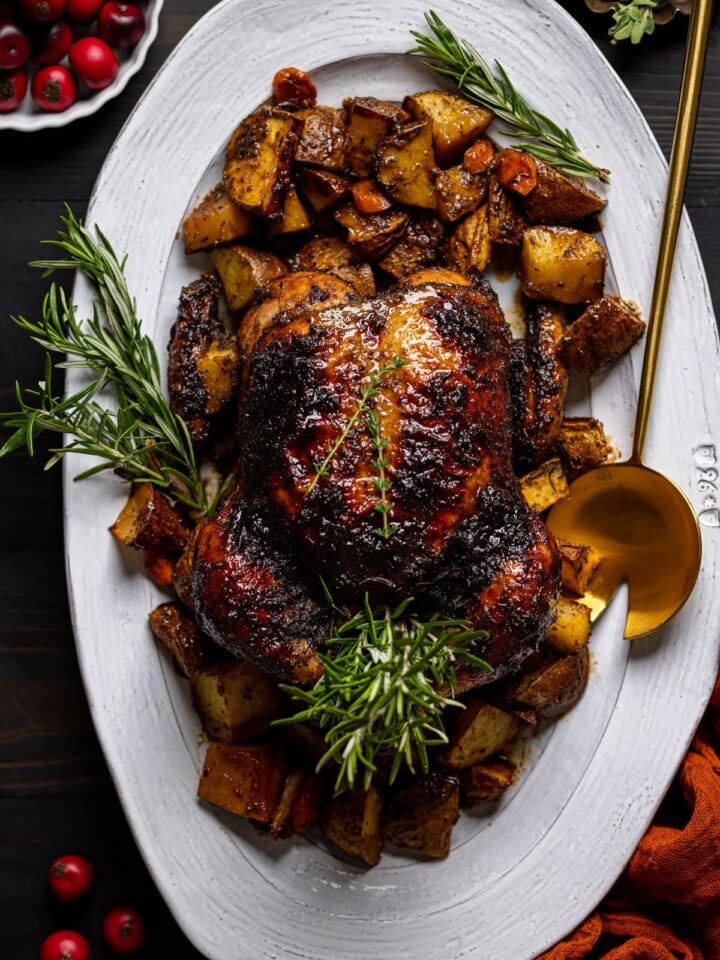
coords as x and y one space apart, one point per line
461 63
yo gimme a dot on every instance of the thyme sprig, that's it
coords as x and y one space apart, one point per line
633 20
139 437
383 689
367 393
382 481
460 62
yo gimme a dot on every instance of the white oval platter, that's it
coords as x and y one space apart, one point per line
522 875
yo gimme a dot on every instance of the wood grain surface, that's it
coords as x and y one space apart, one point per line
55 792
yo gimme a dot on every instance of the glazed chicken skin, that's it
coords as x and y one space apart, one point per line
459 537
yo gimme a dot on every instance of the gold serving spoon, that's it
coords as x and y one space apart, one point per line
639 520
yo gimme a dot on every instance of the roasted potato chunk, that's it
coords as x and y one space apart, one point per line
556 687
456 122
352 822
563 264
368 121
506 223
294 217
418 247
216 219
173 626
322 189
601 335
370 235
579 563
258 160
333 255
467 247
486 781
570 631
322 138
246 779
458 192
404 163
480 730
235 700
149 519
582 444
421 815
560 199
545 485
219 367
242 270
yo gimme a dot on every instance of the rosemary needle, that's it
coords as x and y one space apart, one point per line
456 59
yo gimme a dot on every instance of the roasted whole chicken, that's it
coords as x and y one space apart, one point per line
456 533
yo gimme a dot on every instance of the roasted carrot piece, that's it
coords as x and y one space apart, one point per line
516 171
293 89
479 157
369 198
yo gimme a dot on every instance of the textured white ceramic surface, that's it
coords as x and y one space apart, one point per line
30 118
523 874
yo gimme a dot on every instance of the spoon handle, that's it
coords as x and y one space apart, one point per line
685 121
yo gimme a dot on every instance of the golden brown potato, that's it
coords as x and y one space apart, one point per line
486 781
235 700
506 223
556 687
294 217
245 779
219 367
333 255
352 822
370 235
570 631
601 335
579 563
545 485
404 163
368 120
467 247
322 189
242 270
480 730
421 815
560 199
216 219
458 192
258 160
418 246
173 626
456 122
563 264
182 573
160 567
149 519
322 138
582 444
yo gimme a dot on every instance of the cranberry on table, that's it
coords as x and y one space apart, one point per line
82 11
121 24
43 11
123 930
65 945
51 46
93 62
53 88
13 88
14 46
70 877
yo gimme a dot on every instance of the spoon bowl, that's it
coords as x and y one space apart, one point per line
648 534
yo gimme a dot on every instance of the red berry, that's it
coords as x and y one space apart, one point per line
65 945
13 88
43 11
70 877
52 46
121 24
53 88
123 930
14 46
93 62
82 11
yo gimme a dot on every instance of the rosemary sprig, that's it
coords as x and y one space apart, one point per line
367 393
459 61
382 689
141 439
633 20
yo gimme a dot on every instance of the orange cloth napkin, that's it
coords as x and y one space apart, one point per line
666 905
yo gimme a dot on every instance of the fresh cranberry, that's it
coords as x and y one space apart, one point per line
93 62
53 88
52 45
65 945
121 24
43 11
70 877
123 930
82 11
14 46
13 88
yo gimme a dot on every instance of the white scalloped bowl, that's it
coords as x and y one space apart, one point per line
30 118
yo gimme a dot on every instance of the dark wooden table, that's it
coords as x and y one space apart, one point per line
56 795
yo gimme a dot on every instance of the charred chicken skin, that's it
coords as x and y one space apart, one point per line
460 538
